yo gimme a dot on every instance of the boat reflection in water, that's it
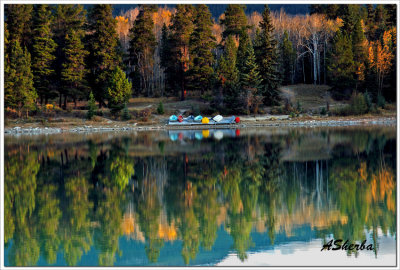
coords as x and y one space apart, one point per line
217 134
201 197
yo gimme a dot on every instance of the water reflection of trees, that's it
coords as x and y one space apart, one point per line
69 201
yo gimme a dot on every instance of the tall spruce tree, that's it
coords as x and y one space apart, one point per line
287 59
19 18
66 18
234 21
103 49
19 92
228 74
141 49
242 50
73 69
165 60
341 67
250 81
43 53
202 42
267 59
181 30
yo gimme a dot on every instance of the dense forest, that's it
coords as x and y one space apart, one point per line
55 54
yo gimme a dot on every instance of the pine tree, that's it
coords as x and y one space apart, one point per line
19 92
165 60
19 21
103 45
202 42
267 59
119 90
181 30
242 50
228 74
43 54
235 21
8 71
250 81
359 52
341 68
141 49
287 59
73 69
92 106
66 18
350 16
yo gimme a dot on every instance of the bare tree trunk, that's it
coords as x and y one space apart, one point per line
314 55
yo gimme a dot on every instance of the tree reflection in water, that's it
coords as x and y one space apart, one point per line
72 197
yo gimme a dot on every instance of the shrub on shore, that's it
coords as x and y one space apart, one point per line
160 108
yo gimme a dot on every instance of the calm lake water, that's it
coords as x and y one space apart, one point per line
211 197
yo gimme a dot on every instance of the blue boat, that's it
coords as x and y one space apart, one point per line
198 118
173 118
190 118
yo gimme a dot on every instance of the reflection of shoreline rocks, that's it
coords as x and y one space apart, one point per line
244 124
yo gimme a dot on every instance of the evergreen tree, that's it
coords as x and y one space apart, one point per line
228 74
350 16
8 71
165 60
181 30
341 66
358 40
92 106
391 15
359 53
141 49
74 70
119 90
19 92
103 49
244 41
43 53
288 57
267 59
202 42
19 21
250 81
66 18
235 21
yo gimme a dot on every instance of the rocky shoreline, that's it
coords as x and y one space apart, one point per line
244 124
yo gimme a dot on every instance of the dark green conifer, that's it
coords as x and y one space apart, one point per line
181 30
287 60
235 20
104 57
228 75
92 106
73 69
43 53
141 49
250 81
119 91
19 18
202 42
341 66
19 92
67 18
265 48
